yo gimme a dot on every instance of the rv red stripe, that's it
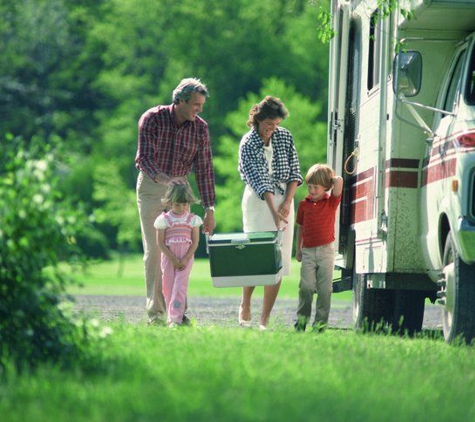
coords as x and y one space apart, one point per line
363 196
440 170
408 163
397 178
401 179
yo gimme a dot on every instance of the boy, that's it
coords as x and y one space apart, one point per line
315 237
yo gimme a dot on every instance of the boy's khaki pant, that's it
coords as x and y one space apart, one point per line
149 200
316 275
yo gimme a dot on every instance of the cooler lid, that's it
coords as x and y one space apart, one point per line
235 238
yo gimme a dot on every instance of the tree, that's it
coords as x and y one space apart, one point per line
116 207
46 75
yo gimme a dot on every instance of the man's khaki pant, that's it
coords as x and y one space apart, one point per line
149 196
316 276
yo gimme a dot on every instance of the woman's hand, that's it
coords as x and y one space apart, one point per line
277 215
278 219
284 209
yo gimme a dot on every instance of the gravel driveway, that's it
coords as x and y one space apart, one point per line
209 311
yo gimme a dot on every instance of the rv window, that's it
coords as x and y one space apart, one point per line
374 55
470 91
451 95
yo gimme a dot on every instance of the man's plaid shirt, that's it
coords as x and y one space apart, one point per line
253 166
163 147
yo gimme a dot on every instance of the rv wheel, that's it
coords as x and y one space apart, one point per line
459 295
372 308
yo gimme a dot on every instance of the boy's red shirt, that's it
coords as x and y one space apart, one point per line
317 220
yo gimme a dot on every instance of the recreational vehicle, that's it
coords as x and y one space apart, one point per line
401 131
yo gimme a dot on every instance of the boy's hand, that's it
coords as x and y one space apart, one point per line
298 256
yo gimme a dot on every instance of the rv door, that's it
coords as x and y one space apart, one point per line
338 77
338 85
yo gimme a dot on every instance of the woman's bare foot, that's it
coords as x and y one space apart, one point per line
244 317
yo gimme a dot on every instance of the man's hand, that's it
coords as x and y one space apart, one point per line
208 223
164 179
178 181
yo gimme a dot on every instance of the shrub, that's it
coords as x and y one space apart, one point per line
37 227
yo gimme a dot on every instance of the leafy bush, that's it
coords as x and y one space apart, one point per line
38 226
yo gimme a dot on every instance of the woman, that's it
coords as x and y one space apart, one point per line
269 166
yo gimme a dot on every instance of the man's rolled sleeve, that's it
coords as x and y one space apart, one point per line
146 159
204 171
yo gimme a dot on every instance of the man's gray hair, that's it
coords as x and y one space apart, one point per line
186 87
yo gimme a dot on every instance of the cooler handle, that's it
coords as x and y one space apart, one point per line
240 243
280 237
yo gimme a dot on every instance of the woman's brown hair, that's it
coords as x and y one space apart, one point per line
269 108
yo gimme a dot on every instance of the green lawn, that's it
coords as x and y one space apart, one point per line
149 373
110 278
231 374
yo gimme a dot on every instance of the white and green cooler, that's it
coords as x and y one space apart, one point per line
245 259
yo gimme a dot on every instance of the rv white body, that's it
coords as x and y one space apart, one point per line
408 162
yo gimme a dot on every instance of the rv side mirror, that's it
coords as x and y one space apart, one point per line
407 73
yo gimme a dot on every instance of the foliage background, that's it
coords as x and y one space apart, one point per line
82 73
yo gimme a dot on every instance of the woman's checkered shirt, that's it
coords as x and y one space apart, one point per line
253 166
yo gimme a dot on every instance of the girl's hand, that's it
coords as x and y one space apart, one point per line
178 265
184 263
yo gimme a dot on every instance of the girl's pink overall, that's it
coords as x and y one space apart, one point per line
175 283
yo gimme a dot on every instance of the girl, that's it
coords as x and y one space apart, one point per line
178 237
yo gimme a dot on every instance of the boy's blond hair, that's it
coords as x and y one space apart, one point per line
320 174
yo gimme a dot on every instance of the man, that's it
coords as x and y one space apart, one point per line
172 140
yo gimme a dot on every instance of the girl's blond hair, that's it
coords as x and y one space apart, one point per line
180 194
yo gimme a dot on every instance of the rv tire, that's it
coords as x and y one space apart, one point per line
372 308
459 296
408 311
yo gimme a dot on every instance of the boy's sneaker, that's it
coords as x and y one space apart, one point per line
319 327
300 323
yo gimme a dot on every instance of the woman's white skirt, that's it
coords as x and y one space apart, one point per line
256 217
